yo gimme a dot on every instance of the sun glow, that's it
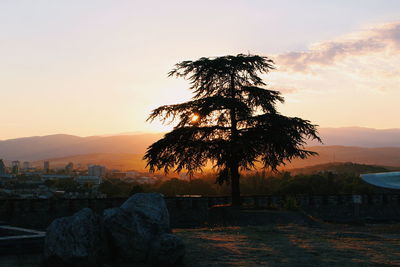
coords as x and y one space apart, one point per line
195 118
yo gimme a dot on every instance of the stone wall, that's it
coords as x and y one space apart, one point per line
193 211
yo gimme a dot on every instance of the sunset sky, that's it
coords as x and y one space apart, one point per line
99 67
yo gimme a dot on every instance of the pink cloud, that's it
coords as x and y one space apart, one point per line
381 38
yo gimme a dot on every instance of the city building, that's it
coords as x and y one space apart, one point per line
69 168
46 167
2 167
26 165
15 167
56 176
96 170
91 179
118 175
6 176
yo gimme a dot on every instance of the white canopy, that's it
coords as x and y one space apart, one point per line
385 179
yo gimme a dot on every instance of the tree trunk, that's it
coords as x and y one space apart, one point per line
236 201
234 162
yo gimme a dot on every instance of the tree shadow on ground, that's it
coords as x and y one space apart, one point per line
288 245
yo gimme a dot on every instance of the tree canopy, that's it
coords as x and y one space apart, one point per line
231 121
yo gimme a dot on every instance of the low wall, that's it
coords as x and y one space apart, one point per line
193 211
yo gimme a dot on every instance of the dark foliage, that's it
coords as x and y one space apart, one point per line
258 183
236 123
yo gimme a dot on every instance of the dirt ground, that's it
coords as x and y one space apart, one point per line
293 245
280 245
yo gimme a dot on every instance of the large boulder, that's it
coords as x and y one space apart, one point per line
167 250
137 232
127 240
151 209
136 225
74 241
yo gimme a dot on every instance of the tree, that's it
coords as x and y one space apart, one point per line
136 189
231 121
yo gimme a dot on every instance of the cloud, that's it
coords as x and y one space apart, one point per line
352 80
383 38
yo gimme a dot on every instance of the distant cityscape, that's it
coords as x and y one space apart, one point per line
22 180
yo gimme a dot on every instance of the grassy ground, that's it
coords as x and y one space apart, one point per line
280 245
293 245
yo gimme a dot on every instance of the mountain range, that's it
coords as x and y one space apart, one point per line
359 136
62 145
389 156
350 144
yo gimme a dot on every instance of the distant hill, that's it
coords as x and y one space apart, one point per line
60 145
342 167
358 136
111 160
37 147
351 144
384 156
327 154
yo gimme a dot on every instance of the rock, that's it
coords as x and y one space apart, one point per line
74 240
133 227
167 250
137 232
151 208
126 240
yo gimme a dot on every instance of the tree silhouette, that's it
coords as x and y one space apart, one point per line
231 122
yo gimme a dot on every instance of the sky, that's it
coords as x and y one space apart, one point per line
99 67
